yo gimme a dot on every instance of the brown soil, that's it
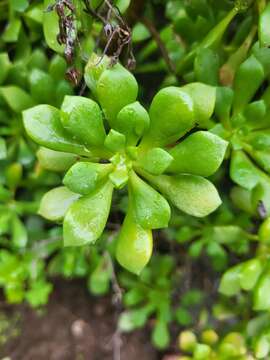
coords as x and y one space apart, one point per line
74 326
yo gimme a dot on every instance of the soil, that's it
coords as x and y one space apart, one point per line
74 326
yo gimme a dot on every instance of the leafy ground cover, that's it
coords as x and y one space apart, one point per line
135 166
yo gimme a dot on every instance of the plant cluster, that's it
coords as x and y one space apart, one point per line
94 156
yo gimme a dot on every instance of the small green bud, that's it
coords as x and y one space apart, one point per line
133 120
155 161
119 177
115 141
202 352
187 340
209 337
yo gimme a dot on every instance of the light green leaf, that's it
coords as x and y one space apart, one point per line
16 98
84 177
223 105
5 65
83 120
12 31
93 70
122 5
264 231
55 160
192 194
19 5
56 202
242 171
3 149
39 293
261 298
155 161
87 217
57 67
99 279
161 335
151 209
206 66
115 141
43 125
51 27
13 175
42 86
249 273
134 244
201 153
19 233
172 116
230 281
116 88
264 31
140 32
133 319
132 121
204 99
248 78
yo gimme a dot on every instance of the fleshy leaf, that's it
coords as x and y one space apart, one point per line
5 65
260 139
83 120
230 282
19 233
204 99
57 67
155 161
87 217
84 177
3 149
192 194
206 66
43 125
161 335
224 100
55 203
115 141
264 231
255 114
133 120
248 78
260 196
261 300
151 209
55 160
116 88
172 116
93 70
42 87
242 171
264 31
249 274
17 99
134 245
201 153
51 28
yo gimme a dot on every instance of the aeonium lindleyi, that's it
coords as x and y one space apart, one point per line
140 151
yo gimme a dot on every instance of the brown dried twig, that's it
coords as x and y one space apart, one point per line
116 30
67 35
154 32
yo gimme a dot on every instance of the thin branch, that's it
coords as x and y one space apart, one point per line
150 26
